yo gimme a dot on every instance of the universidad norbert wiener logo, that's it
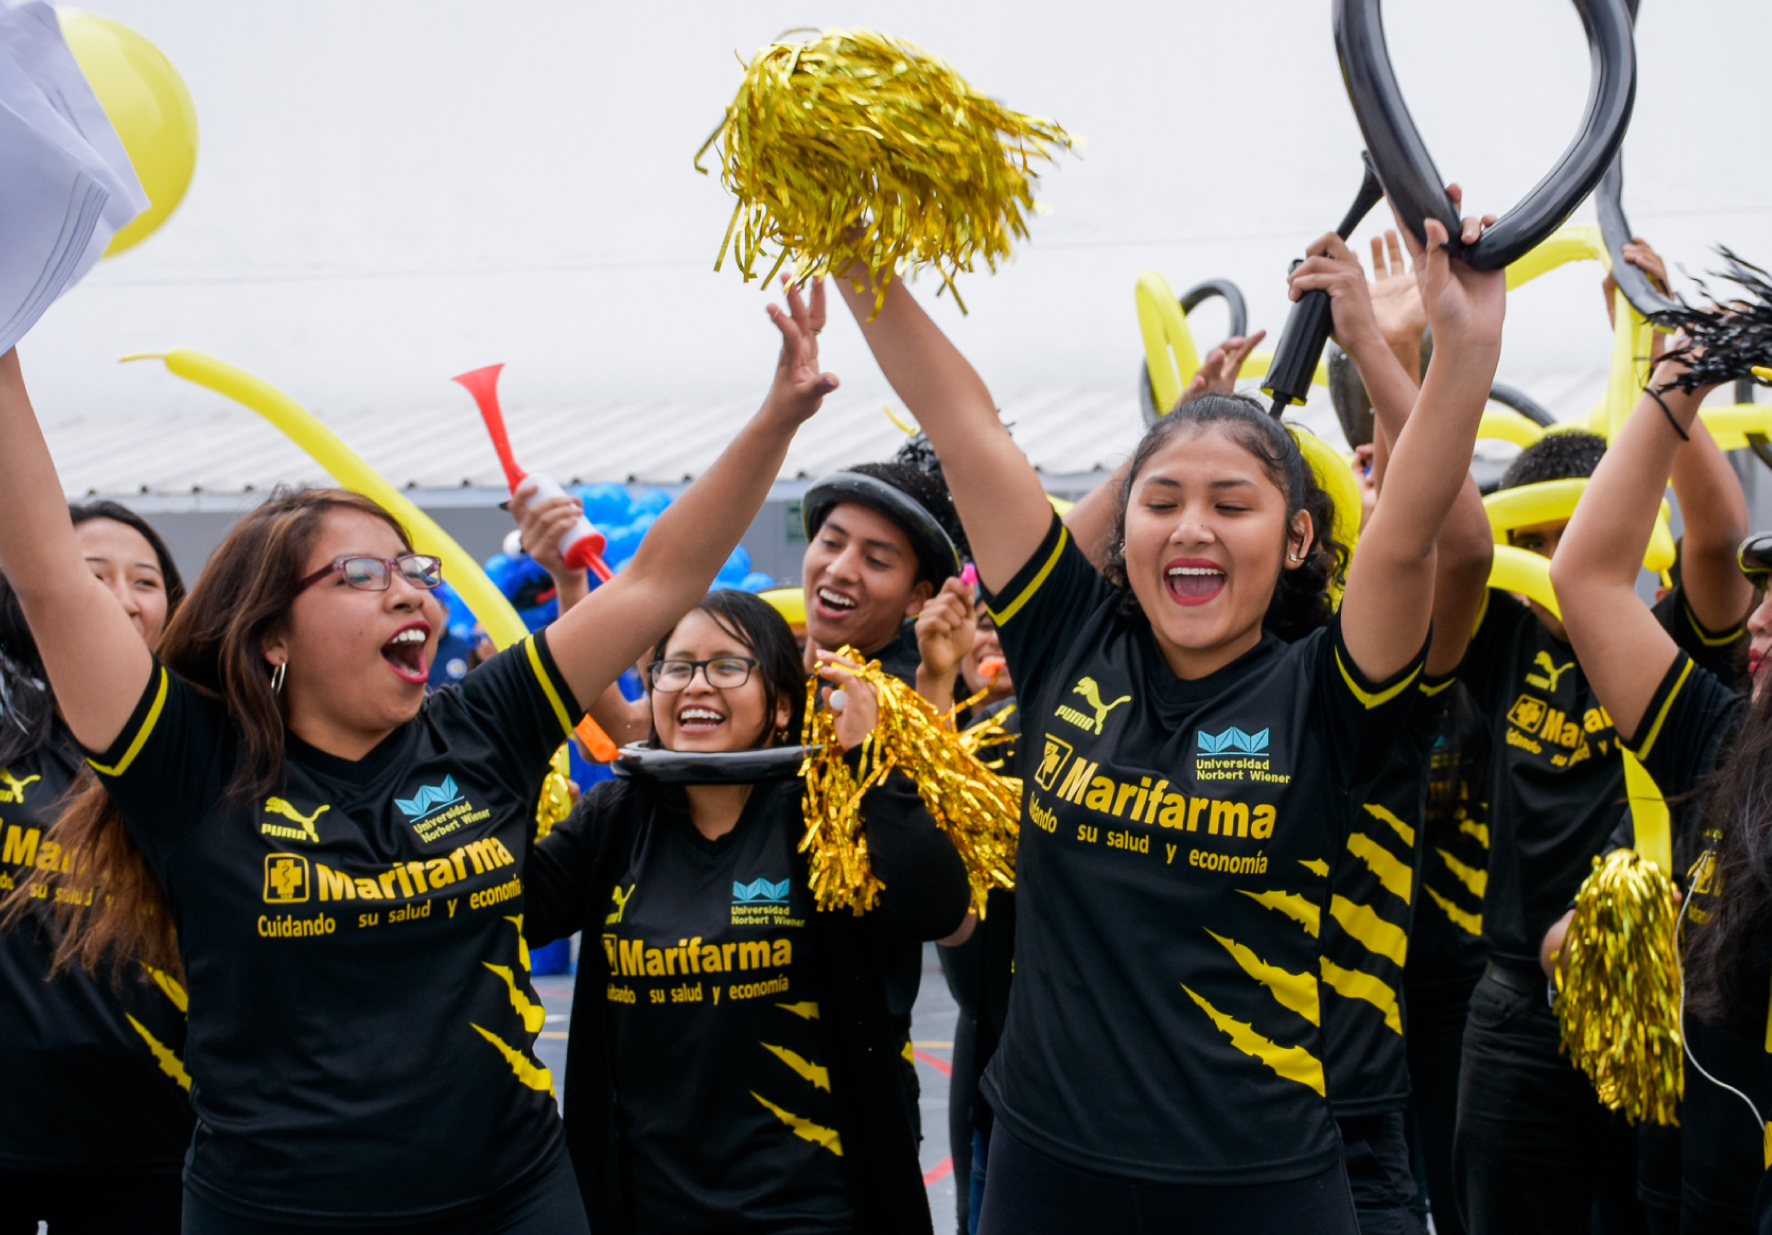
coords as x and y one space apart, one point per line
759 892
429 799
1233 741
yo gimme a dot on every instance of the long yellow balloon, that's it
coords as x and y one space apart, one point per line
1550 501
347 467
1525 572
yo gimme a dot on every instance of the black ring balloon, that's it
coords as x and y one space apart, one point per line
1523 403
1414 184
1644 296
1191 299
727 767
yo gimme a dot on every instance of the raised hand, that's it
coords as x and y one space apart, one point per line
1217 373
1638 253
1396 299
800 386
541 523
947 626
860 710
1330 266
1460 301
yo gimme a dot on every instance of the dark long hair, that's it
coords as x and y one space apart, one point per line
27 708
755 623
1301 600
1729 953
216 643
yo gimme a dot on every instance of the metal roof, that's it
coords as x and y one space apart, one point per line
215 449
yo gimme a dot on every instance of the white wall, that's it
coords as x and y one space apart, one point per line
391 191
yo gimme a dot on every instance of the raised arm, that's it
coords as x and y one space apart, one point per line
1379 344
97 663
1389 600
1713 512
1622 648
682 552
996 490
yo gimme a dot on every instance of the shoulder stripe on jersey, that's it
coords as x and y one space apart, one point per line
1709 640
1430 689
141 735
1482 611
547 685
1642 752
1373 699
1014 606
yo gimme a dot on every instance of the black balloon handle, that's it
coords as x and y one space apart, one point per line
1414 184
1191 299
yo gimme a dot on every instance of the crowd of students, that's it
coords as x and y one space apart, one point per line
1301 825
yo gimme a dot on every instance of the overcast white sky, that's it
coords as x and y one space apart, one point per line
391 192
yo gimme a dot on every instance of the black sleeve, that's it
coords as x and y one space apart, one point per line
927 893
1687 721
1365 718
557 881
1038 612
167 766
519 704
1713 651
1481 668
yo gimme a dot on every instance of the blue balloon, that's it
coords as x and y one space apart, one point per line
652 502
621 545
757 581
606 504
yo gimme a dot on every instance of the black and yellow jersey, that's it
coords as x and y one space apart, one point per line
361 1021
1686 730
1373 890
1556 776
91 1071
1446 944
712 982
1173 878
722 1087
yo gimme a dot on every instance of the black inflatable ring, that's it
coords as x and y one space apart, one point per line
1523 403
1191 299
1407 170
727 767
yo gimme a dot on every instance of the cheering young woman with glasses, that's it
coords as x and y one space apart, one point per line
733 1064
340 856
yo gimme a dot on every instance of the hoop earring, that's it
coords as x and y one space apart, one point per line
277 677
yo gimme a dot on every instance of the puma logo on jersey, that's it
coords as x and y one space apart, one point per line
1553 672
14 790
620 897
1091 693
306 831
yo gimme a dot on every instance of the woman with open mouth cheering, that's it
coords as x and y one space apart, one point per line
342 857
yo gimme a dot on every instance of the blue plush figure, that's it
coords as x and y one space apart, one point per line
652 502
606 505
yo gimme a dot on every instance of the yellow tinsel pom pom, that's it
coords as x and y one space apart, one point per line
555 802
979 809
1619 988
858 146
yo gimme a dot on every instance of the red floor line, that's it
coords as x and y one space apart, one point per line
941 1170
940 1065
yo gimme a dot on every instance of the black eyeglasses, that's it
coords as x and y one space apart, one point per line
722 672
1755 558
375 574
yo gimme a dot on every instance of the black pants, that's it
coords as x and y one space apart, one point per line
89 1202
1534 1150
549 1206
1027 1193
1376 1154
1437 1014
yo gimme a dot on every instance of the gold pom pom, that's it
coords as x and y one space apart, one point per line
858 146
555 802
1619 988
978 809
